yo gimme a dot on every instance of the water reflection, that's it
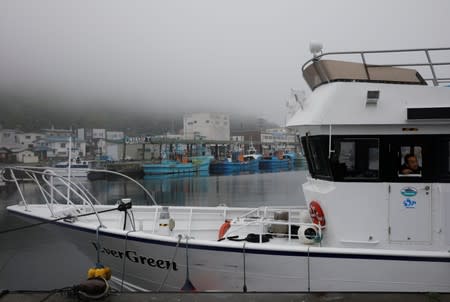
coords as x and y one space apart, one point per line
203 190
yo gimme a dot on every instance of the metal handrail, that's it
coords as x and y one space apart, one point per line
263 222
436 80
34 169
72 187
78 190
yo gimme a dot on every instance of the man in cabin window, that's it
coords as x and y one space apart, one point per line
411 165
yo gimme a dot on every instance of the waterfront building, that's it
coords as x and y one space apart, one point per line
206 126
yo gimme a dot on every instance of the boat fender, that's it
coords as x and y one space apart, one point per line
171 224
316 213
224 228
308 234
99 271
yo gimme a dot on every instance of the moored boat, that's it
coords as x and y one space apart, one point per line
275 163
76 167
195 164
377 142
227 166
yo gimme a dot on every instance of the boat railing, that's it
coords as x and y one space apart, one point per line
54 187
318 70
264 216
265 210
262 223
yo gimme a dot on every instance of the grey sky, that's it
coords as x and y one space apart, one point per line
195 55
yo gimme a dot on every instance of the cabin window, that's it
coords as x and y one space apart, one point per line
444 158
355 159
448 157
410 161
317 148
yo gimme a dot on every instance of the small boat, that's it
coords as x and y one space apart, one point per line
196 164
275 163
78 168
227 166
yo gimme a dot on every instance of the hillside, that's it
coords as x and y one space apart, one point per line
29 115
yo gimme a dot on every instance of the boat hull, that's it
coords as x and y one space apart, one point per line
274 164
174 167
225 167
219 266
74 172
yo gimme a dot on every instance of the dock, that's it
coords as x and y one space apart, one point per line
236 297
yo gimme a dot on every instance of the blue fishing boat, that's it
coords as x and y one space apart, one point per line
275 163
195 164
227 167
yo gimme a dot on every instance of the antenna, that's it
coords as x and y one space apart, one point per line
315 47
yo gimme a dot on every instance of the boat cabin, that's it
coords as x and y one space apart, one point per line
377 143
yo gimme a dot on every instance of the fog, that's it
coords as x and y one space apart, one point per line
201 55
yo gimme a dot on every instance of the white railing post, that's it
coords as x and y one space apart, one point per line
18 189
190 222
52 195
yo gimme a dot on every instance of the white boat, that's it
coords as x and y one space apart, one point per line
252 154
78 168
373 222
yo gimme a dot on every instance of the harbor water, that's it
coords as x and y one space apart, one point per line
40 259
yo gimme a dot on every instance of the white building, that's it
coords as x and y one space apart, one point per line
98 133
278 139
207 126
81 134
28 139
115 135
59 147
27 157
9 137
53 132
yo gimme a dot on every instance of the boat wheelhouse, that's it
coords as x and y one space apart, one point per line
360 128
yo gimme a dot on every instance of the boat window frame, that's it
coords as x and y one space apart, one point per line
322 140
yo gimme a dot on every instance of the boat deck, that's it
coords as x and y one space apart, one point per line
202 223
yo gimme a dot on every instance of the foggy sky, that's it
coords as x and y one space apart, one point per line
201 55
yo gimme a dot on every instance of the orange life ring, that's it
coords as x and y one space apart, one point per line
316 213
224 228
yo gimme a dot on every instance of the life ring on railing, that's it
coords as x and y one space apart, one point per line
316 213
224 228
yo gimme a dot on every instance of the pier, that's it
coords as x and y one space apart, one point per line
237 297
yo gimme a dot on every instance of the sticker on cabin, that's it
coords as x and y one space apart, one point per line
408 191
409 203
